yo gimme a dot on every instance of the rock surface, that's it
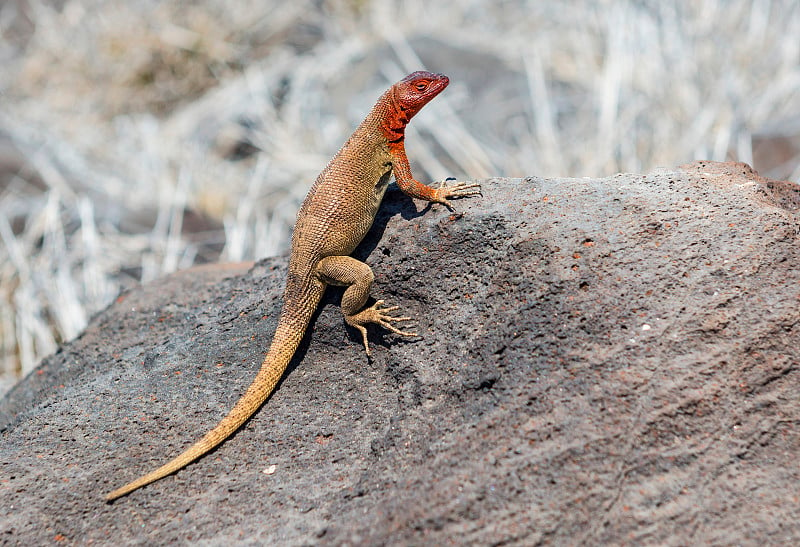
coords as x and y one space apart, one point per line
601 361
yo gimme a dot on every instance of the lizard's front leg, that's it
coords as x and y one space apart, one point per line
416 189
358 278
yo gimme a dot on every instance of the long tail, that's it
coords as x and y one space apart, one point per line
287 337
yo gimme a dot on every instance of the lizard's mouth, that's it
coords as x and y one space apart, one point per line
437 85
442 81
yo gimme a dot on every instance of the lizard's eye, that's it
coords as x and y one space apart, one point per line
421 86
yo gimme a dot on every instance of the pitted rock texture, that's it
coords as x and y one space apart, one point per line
600 361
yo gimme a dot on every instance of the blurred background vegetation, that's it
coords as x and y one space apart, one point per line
137 138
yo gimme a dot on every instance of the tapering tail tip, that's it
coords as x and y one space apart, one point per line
111 496
122 491
165 470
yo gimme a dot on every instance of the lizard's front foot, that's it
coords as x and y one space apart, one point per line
379 315
457 190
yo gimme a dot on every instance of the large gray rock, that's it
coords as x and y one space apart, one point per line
600 361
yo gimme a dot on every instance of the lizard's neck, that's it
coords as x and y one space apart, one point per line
393 117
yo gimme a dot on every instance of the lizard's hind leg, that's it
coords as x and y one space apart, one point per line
358 278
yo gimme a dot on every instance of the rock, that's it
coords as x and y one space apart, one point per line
601 361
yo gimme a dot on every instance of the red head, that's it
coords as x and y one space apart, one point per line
415 90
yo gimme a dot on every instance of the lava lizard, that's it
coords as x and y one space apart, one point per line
334 218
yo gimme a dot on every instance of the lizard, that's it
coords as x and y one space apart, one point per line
335 216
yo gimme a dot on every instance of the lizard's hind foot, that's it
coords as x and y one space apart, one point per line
379 315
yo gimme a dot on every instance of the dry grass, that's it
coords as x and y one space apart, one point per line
129 130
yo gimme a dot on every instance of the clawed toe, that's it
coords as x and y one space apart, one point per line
379 315
382 317
461 188
385 323
457 190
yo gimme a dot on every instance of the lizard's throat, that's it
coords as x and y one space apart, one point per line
394 122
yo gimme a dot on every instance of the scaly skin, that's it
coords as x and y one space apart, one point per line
334 218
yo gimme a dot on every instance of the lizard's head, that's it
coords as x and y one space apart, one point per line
415 90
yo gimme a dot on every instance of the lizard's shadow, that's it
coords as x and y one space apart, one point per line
394 203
